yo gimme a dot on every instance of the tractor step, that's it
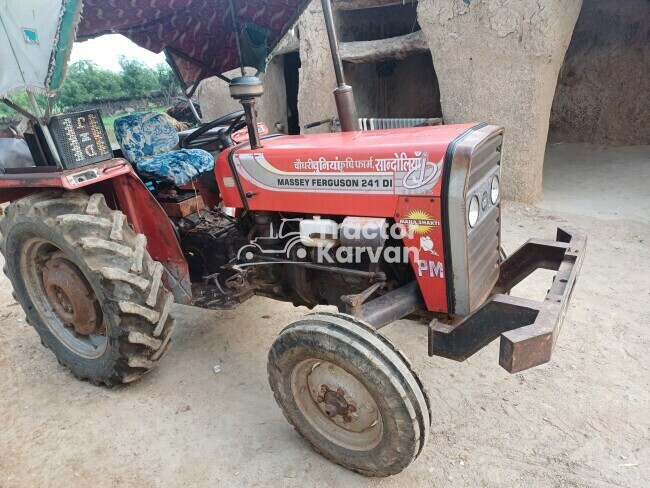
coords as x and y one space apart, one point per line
528 329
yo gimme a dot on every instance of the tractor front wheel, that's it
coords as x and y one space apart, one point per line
348 392
87 285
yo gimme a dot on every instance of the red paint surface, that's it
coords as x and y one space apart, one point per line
292 157
242 134
283 153
434 288
15 185
147 217
143 212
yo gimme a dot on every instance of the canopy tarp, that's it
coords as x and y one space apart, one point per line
199 34
36 37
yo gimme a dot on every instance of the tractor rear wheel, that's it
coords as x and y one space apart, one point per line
87 285
348 392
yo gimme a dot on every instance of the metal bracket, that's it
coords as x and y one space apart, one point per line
528 329
353 302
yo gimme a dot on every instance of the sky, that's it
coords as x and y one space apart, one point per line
104 51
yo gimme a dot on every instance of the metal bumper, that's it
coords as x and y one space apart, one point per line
528 329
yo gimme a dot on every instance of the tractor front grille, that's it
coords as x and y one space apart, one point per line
473 160
483 240
378 124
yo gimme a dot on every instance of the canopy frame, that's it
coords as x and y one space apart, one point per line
187 91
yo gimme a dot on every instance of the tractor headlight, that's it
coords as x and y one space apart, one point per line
472 214
494 190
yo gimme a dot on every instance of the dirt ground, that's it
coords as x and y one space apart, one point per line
581 420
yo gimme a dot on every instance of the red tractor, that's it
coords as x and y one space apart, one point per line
384 225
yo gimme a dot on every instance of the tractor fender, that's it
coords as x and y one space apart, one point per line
123 190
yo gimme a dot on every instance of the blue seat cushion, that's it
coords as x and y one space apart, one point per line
145 134
177 167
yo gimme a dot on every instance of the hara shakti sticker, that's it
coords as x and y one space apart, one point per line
419 222
398 175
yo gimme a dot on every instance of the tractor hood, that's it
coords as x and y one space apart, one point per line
200 35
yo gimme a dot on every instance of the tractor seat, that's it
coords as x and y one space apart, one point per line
147 140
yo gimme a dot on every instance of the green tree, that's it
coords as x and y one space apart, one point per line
137 78
87 82
167 81
21 99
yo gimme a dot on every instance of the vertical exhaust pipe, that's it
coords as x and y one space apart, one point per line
343 95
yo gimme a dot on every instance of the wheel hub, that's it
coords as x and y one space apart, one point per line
336 404
338 396
71 296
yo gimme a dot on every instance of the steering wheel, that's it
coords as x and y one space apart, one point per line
234 122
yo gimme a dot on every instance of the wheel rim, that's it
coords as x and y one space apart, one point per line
337 404
64 298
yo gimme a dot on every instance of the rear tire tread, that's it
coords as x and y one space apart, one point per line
118 257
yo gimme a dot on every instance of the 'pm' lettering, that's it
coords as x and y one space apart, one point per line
431 269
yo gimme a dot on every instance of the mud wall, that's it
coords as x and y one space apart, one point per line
392 88
603 90
497 62
272 106
403 88
316 76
